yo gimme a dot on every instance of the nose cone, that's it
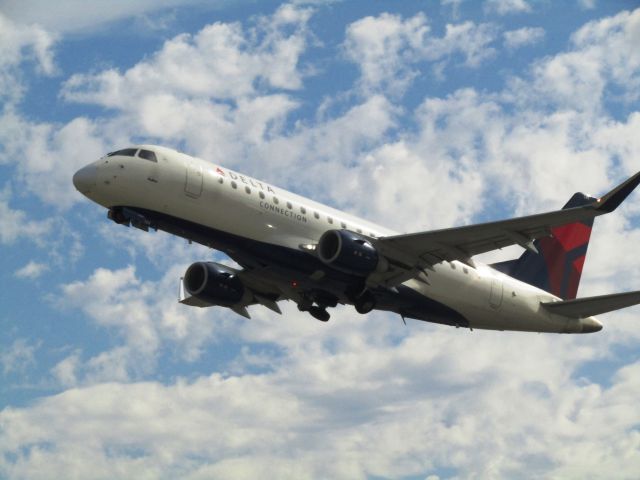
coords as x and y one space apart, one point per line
590 325
85 179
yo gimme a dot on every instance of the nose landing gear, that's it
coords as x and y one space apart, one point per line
117 215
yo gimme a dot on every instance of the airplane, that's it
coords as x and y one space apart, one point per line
292 248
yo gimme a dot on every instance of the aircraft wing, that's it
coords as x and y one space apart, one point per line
412 253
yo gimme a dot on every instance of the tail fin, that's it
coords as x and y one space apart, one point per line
557 266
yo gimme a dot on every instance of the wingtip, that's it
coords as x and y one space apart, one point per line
612 200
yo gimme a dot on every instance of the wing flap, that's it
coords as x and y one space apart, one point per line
590 306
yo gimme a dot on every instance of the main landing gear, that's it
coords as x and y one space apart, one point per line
317 305
365 302
320 313
316 311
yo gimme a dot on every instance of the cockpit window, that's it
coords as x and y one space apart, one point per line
127 152
148 155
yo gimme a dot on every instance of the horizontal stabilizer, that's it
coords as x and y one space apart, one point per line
589 306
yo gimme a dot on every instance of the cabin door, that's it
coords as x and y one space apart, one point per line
495 297
193 185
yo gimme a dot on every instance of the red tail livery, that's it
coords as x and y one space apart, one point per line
557 266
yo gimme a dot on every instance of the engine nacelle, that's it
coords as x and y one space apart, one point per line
349 252
214 284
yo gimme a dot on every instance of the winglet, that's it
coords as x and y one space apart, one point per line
609 202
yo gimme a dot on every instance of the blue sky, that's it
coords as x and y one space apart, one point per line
415 115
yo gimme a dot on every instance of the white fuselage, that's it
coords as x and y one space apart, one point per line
213 196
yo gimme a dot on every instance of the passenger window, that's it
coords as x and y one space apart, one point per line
275 200
261 195
220 180
359 230
303 210
247 189
316 214
289 206
148 155
330 220
234 184
343 225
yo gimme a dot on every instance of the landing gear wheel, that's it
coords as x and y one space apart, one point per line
304 306
365 303
319 314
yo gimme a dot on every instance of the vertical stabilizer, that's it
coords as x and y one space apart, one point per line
557 266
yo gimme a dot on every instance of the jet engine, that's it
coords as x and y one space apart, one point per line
214 284
349 252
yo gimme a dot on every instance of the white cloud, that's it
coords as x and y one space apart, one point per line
387 48
19 356
65 371
382 47
599 62
462 131
442 156
46 155
505 7
587 4
15 225
222 61
514 39
116 300
145 317
76 15
455 6
470 40
354 391
329 147
31 270
189 81
621 140
18 45
350 389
